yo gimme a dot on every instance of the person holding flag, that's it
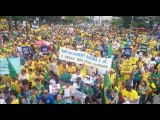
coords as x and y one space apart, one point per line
106 86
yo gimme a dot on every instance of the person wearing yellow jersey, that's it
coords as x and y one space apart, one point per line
152 43
143 89
2 84
130 95
71 69
13 95
145 75
31 77
151 90
83 70
40 76
15 85
158 67
133 60
121 88
61 67
112 77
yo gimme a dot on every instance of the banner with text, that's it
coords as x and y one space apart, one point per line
83 57
4 65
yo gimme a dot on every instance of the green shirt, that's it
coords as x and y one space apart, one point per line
40 88
91 92
153 75
63 102
75 102
65 77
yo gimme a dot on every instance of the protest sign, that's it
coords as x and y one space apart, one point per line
83 57
101 63
127 52
127 66
71 55
79 94
4 65
25 50
144 48
53 89
44 50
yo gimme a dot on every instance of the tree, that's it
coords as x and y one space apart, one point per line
117 22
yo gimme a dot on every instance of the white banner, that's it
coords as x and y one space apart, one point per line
71 55
83 57
79 94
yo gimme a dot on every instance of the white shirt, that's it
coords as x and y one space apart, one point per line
146 60
53 67
90 80
76 86
19 49
23 77
52 82
152 64
75 76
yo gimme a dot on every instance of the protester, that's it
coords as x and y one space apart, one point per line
13 95
46 73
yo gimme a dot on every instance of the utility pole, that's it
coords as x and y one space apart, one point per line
131 22
27 27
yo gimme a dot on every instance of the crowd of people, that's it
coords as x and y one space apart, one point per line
138 84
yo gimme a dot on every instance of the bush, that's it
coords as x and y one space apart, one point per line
138 24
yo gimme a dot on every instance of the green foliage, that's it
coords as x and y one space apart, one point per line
138 24
117 22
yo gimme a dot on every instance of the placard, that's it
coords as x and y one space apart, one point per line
25 50
127 52
79 94
44 50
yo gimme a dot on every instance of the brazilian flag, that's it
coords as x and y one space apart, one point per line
58 48
12 71
106 86
110 50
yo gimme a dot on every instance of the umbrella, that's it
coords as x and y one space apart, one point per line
139 28
41 43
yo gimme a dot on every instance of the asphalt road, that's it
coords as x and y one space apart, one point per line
156 100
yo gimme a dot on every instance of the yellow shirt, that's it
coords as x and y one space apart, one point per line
133 95
151 85
16 85
158 67
15 101
32 77
145 76
133 60
140 65
152 43
71 69
155 54
127 76
83 71
112 79
60 69
134 67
